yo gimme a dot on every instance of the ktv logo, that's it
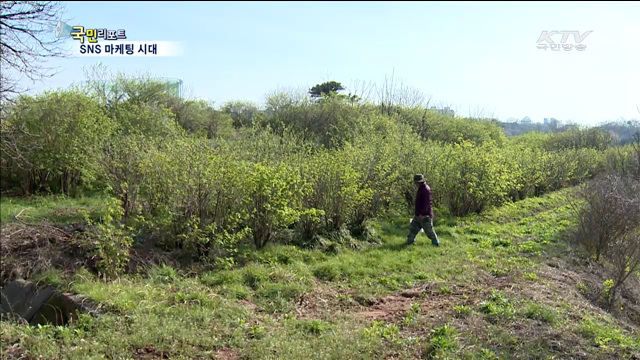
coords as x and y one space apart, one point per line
546 40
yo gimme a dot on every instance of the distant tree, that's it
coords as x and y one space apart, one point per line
27 40
242 112
283 99
138 104
325 89
352 98
200 118
392 96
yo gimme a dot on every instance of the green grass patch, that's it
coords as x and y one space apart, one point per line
498 307
55 208
605 336
442 341
531 276
52 277
541 313
314 327
462 310
326 272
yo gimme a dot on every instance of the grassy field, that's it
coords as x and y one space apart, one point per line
500 286
57 209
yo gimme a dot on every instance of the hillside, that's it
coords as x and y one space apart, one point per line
182 230
502 285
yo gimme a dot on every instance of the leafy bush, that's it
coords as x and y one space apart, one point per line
336 190
192 195
577 138
476 177
431 125
621 160
121 171
276 200
241 112
145 119
53 141
112 240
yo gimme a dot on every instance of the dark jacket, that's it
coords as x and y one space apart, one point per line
424 201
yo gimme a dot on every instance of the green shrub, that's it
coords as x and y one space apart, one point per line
336 190
112 240
476 177
53 141
276 200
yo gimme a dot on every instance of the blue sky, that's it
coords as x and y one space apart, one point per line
478 58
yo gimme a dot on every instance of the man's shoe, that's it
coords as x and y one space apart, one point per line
437 244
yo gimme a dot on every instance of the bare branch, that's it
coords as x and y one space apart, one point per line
27 40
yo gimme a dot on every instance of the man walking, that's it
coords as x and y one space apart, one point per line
423 217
